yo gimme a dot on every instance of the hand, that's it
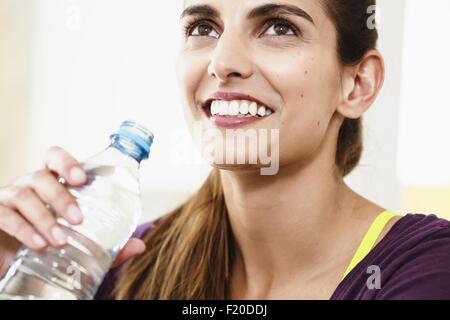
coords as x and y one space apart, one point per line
25 218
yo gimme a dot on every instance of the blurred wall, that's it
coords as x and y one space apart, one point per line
424 155
15 45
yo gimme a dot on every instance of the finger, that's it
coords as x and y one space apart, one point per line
33 210
13 224
131 249
65 165
46 186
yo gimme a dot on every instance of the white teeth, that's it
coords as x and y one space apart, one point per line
214 108
243 108
262 111
233 109
223 110
253 109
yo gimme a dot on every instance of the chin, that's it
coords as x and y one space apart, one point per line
241 168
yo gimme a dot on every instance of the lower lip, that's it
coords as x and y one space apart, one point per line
231 122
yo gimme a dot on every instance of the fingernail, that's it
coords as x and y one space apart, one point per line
38 240
58 235
77 175
74 214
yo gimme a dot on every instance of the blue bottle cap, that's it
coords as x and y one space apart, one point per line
133 139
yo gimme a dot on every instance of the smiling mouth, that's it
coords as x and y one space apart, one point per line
238 108
235 113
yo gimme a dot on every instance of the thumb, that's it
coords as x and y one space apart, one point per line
131 249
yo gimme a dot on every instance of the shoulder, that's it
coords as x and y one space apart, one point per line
413 262
416 226
419 264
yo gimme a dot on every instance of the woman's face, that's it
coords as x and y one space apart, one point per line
280 55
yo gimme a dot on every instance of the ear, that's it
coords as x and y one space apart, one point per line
361 85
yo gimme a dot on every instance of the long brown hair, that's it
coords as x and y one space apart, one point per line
190 250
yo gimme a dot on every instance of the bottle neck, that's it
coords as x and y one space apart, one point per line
112 156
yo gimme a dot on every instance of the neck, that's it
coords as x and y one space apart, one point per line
291 221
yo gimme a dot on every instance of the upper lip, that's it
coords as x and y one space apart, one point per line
230 96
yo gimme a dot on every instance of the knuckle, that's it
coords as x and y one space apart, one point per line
23 230
17 181
44 219
19 228
10 195
40 174
29 180
41 180
22 181
61 199
24 193
20 193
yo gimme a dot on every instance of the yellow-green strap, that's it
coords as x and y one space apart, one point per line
369 239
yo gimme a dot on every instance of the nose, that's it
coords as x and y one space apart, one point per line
229 59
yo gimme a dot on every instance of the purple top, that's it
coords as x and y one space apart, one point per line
411 262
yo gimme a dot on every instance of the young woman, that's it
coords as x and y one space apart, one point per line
301 233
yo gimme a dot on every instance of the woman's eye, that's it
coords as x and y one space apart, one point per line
204 29
280 29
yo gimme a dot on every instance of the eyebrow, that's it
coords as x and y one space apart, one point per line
273 8
261 11
200 10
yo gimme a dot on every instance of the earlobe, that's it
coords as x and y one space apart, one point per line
361 87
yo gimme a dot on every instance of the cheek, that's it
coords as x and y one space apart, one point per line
301 136
185 74
308 90
190 70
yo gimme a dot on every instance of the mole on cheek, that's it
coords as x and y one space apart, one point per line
306 72
318 123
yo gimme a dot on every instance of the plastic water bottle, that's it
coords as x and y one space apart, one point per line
111 206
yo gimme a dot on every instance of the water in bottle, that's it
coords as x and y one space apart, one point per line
111 206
